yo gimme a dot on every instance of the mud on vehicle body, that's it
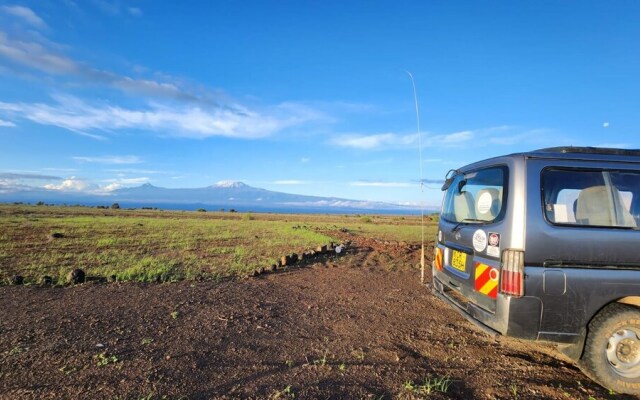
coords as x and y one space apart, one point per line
545 246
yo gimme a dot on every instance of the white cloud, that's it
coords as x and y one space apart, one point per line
382 184
451 139
109 159
74 184
108 7
118 183
305 160
70 185
45 56
605 125
368 142
36 56
7 124
174 108
528 136
61 169
138 171
392 140
26 176
111 187
26 14
291 182
129 181
187 121
135 11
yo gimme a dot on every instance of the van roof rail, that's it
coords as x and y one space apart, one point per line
590 150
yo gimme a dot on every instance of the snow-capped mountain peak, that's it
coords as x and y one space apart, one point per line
230 184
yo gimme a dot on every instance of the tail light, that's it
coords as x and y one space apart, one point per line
512 277
437 260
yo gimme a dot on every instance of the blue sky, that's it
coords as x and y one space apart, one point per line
305 97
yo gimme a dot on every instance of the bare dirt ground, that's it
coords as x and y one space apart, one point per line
348 327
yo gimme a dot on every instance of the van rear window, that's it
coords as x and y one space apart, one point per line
592 197
476 197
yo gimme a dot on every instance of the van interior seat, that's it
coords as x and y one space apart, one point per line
487 204
595 206
463 206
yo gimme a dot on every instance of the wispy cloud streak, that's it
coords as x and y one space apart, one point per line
382 184
187 121
26 14
109 159
16 176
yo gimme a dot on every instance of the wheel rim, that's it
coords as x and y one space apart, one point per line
623 353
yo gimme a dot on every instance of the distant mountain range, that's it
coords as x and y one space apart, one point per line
227 195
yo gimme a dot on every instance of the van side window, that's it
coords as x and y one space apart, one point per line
592 198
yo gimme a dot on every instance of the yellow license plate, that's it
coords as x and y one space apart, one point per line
459 260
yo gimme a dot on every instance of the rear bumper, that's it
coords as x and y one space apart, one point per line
440 293
519 318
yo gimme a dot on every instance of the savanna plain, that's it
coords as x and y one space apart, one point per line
198 305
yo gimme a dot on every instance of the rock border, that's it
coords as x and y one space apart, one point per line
300 259
78 275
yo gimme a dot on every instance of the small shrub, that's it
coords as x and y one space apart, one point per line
248 217
105 359
286 393
115 206
201 210
430 385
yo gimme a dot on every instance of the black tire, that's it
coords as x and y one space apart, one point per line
612 351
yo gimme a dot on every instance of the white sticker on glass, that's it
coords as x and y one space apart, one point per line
484 202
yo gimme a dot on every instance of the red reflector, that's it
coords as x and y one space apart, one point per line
511 283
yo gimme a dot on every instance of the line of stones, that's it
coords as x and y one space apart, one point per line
78 275
295 258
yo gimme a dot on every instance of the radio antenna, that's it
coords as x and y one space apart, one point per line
415 99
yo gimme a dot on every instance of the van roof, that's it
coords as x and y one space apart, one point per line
586 153
568 153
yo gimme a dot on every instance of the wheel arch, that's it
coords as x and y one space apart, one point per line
575 350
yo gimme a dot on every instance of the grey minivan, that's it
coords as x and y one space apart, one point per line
545 246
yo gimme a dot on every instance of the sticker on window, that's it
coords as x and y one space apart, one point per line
484 203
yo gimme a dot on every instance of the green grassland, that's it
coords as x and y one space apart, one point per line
152 245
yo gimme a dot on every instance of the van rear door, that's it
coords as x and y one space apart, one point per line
470 235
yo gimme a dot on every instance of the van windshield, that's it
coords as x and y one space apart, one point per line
476 197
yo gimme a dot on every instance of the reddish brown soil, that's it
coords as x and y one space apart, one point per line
355 327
